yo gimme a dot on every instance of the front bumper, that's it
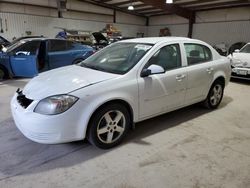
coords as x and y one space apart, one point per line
49 129
241 73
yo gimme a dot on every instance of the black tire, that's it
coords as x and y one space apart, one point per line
214 98
77 61
100 130
3 73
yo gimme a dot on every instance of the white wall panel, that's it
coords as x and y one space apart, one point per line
6 7
223 32
180 30
39 2
17 24
223 15
82 6
33 10
167 19
87 16
122 17
131 30
216 26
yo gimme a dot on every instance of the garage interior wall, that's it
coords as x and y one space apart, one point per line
20 16
215 26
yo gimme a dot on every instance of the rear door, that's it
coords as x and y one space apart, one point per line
58 54
200 69
23 59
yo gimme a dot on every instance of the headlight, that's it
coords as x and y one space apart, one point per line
55 104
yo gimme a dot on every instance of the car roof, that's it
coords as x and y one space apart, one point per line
154 40
30 39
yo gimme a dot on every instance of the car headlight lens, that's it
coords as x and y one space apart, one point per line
55 104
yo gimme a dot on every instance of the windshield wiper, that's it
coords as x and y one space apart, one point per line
93 67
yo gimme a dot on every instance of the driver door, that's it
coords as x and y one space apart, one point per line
23 60
164 92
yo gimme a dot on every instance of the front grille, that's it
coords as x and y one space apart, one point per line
22 100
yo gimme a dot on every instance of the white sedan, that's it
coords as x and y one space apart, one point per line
129 81
240 61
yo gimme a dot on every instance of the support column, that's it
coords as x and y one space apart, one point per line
190 25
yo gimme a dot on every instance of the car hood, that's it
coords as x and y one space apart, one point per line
63 80
241 59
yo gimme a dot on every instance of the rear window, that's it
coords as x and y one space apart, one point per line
197 53
57 45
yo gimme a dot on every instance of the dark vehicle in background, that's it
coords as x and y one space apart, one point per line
28 57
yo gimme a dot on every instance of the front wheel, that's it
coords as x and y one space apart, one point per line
109 126
215 95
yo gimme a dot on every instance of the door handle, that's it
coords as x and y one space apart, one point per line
209 70
180 77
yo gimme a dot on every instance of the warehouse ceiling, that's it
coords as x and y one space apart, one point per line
183 8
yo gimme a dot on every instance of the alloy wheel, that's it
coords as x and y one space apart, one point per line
216 94
111 126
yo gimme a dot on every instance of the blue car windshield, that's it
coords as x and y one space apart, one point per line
15 45
117 58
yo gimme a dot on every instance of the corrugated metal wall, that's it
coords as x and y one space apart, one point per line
223 32
18 24
217 26
178 30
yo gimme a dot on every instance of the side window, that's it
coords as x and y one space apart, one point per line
28 48
57 45
197 53
168 57
70 45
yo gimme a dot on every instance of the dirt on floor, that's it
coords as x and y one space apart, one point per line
192 147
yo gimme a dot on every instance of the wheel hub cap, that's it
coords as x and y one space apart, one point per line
111 126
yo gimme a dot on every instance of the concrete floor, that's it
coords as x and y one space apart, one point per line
192 147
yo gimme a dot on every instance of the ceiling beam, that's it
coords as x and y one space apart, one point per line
120 3
110 6
221 4
145 9
193 2
175 9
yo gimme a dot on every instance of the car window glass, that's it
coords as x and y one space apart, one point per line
117 58
246 49
168 57
197 53
70 45
57 45
28 48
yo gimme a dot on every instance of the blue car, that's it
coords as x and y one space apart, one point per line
28 57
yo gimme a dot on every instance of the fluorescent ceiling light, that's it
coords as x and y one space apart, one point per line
130 7
169 1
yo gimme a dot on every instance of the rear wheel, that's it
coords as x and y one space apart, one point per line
215 95
108 126
3 73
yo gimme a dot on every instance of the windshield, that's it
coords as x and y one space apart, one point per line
117 58
15 45
245 49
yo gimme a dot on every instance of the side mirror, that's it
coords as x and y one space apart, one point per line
152 69
237 51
